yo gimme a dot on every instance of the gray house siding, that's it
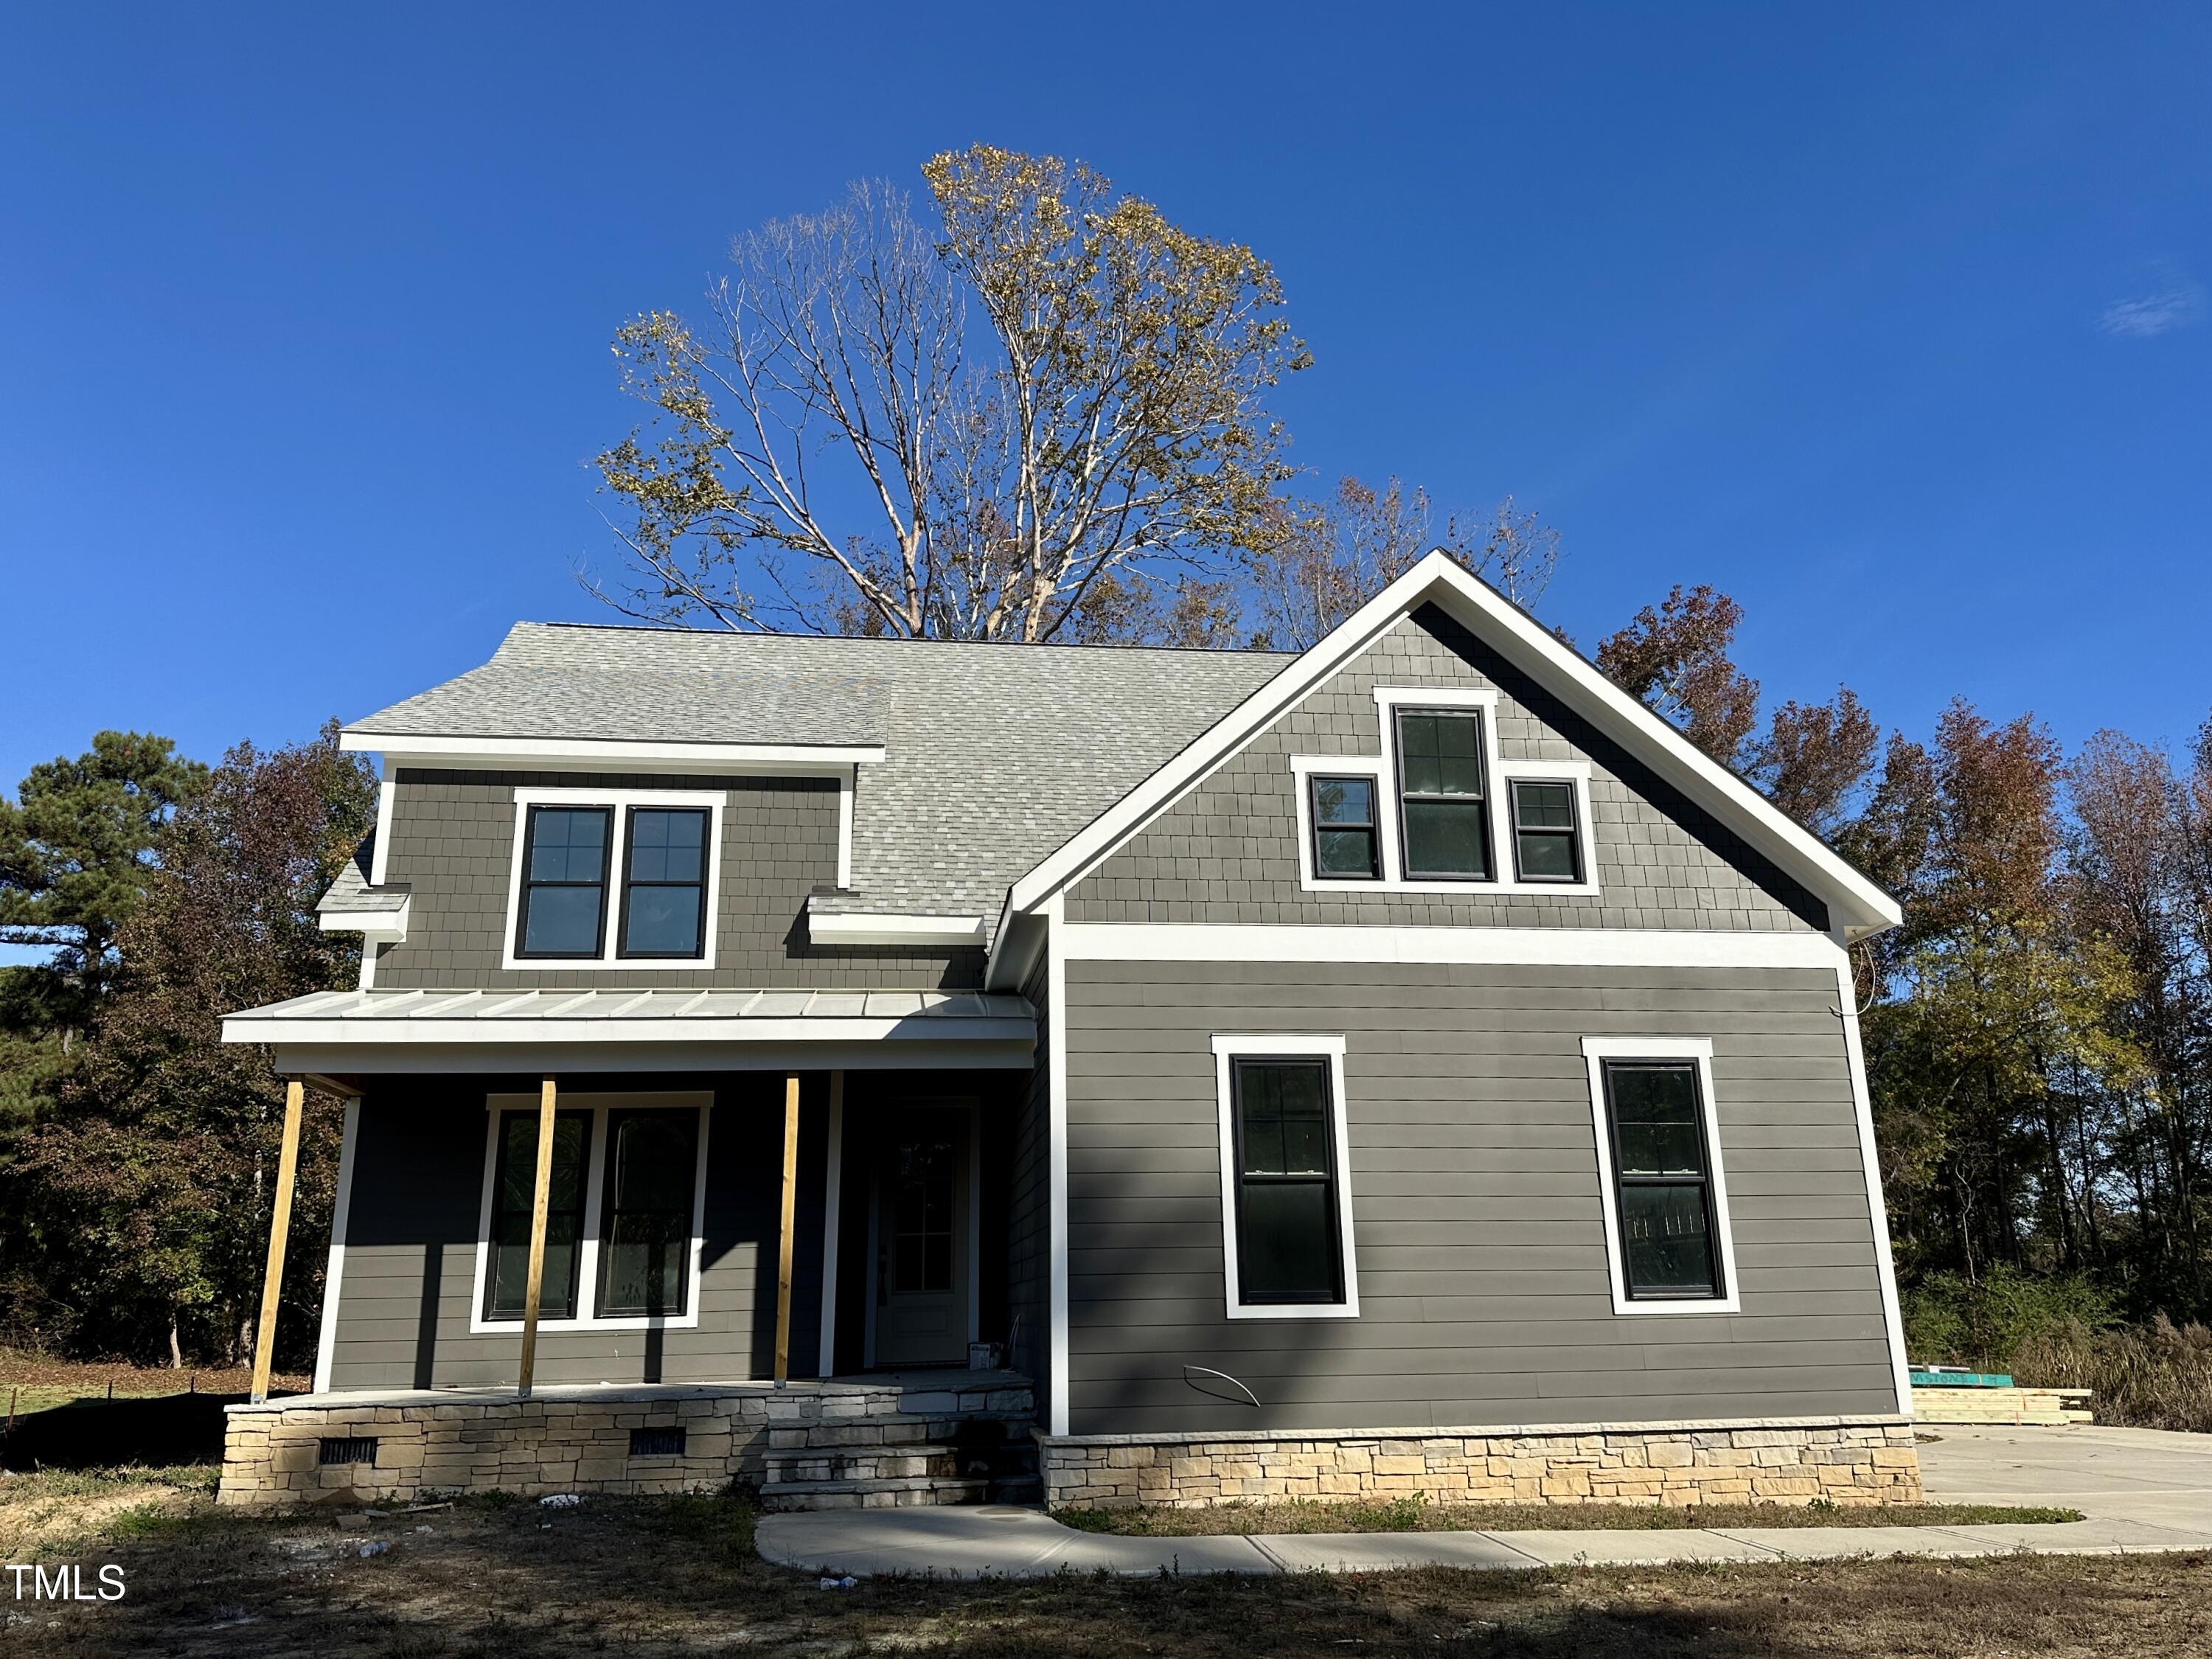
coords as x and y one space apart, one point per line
452 844
1228 852
410 1267
1481 1262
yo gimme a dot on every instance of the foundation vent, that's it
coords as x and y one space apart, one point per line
656 1443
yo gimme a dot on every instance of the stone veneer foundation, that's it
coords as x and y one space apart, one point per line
1793 1461
577 1439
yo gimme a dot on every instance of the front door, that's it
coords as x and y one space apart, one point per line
921 1225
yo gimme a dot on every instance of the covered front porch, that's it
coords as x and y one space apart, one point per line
554 1226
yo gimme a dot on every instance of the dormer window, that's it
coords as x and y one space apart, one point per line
1444 807
564 886
665 883
614 878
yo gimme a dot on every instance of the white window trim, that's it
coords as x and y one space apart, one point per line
1499 776
587 1267
1595 1052
1226 1051
623 801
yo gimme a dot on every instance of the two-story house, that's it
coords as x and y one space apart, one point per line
1406 1065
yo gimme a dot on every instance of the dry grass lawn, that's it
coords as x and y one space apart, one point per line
647 1578
34 1382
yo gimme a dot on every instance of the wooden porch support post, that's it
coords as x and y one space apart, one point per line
280 1224
790 1217
541 1197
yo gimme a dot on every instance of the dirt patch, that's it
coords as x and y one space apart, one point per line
1415 1514
654 1577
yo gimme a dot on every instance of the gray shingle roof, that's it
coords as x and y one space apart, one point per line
351 895
995 754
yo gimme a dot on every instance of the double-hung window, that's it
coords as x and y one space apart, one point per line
1666 1203
1286 1204
564 881
645 1243
1546 838
621 879
623 1211
513 1187
1444 804
1346 846
665 883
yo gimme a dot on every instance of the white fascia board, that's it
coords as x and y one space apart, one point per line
387 1031
878 927
1438 579
555 1053
611 754
385 927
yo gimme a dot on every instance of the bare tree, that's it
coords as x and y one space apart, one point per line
934 478
1328 557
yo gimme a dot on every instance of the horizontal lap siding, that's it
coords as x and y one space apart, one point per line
1477 1219
409 1271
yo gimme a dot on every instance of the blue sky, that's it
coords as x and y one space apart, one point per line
1892 322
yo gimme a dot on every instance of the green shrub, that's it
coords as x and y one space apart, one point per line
1984 1323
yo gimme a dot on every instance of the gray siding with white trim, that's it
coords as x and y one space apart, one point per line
1228 851
452 843
1483 1274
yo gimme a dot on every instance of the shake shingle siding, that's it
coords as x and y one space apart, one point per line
1481 1260
1228 852
452 844
410 1260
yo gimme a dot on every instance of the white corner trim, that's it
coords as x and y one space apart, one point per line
848 786
587 1266
611 755
1055 1018
1226 1051
623 802
380 927
326 1339
1892 1313
1595 1052
1534 946
379 855
1865 908
880 928
825 1358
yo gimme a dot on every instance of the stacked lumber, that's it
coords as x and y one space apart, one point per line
2007 1404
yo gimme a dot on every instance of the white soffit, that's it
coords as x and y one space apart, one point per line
1862 908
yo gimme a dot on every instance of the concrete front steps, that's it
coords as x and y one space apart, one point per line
915 1446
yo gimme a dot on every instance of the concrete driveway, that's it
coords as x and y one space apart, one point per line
2109 1474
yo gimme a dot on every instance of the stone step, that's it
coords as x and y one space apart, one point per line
918 1492
814 1465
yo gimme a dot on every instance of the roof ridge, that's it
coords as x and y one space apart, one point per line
887 640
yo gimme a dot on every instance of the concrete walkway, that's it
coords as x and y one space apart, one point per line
2139 1489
